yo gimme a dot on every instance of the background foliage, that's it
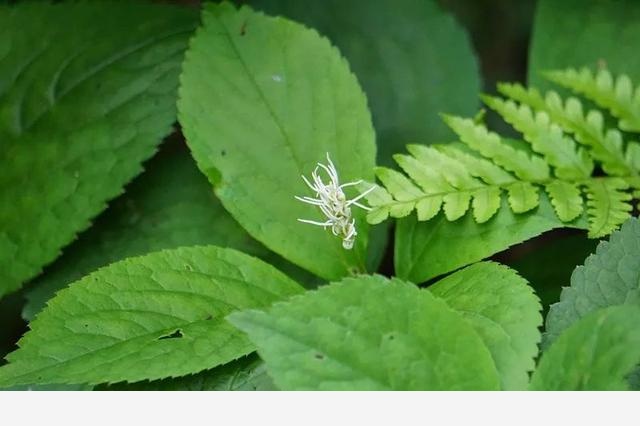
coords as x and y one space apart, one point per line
115 182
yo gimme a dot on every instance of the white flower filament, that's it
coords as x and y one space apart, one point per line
333 203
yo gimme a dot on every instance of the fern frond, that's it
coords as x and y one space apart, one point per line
490 145
606 144
545 137
475 173
617 95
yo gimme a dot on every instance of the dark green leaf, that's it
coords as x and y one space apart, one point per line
87 91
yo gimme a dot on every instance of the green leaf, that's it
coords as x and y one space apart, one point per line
607 204
504 311
545 137
523 197
486 203
477 137
615 94
80 110
596 353
609 277
606 30
566 199
606 144
245 374
412 59
369 333
424 250
168 206
262 101
151 317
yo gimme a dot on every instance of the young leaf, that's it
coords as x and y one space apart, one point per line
596 353
420 64
146 318
504 311
369 333
609 277
424 250
262 101
82 104
169 206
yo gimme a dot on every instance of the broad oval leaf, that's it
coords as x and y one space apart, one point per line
505 312
596 353
413 60
424 250
609 277
369 333
262 101
151 317
82 104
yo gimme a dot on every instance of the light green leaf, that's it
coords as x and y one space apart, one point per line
528 167
606 30
596 353
545 137
477 166
609 277
566 199
245 374
616 94
607 204
588 129
486 202
151 317
262 101
369 333
401 188
504 311
523 197
456 205
82 104
413 61
424 250
169 206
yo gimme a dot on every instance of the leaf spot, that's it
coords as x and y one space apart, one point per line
175 335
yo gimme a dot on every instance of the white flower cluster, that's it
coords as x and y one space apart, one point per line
333 203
